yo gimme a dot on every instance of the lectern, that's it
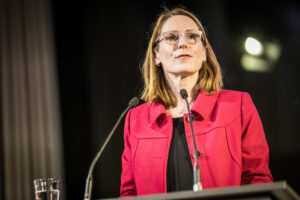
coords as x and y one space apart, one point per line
270 191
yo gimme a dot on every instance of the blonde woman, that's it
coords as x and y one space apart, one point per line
158 154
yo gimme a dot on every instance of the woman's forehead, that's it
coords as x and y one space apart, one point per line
179 23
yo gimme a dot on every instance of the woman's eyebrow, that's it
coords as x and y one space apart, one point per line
170 31
187 30
191 30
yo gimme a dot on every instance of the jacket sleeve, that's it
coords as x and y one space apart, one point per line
127 187
255 150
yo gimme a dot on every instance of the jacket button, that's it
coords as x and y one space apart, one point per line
193 118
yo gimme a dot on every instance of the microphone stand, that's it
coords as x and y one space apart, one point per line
89 180
196 170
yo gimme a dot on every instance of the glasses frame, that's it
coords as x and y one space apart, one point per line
161 37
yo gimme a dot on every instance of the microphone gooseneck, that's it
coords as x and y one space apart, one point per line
196 170
89 180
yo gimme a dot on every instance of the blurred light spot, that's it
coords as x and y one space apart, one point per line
255 64
260 56
253 46
272 50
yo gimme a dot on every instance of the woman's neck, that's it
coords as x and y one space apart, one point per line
177 83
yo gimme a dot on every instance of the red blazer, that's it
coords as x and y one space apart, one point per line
229 136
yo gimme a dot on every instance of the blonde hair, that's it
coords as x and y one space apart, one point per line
156 88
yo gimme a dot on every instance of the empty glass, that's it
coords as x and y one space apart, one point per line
47 189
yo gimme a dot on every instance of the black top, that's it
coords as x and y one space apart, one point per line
179 169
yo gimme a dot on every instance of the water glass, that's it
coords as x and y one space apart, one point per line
47 189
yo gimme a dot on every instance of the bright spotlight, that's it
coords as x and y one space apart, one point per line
260 56
253 46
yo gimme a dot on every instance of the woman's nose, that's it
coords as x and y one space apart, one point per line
182 43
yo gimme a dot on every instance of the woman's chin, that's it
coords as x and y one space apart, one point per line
186 69
184 73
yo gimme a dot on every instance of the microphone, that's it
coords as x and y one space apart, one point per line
196 170
89 180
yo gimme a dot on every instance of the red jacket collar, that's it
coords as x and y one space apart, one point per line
205 103
203 106
157 112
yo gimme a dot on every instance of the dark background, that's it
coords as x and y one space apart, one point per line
100 48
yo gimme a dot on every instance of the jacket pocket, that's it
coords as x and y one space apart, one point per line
205 127
149 161
234 145
150 147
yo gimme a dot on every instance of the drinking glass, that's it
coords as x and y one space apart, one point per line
47 188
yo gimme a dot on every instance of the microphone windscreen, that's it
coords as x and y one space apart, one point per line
183 93
133 102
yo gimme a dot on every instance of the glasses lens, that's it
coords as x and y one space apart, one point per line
193 37
171 38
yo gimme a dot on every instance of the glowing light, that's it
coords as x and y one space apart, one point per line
253 46
272 50
255 64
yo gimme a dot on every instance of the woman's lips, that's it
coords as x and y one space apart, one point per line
183 56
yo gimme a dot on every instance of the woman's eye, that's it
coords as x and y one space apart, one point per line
172 37
193 36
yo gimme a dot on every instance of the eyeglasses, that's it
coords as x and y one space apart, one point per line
172 37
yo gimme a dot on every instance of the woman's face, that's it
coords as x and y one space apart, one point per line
182 58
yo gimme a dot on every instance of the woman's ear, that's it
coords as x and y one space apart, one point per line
157 58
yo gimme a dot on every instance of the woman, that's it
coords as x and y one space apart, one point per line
158 143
